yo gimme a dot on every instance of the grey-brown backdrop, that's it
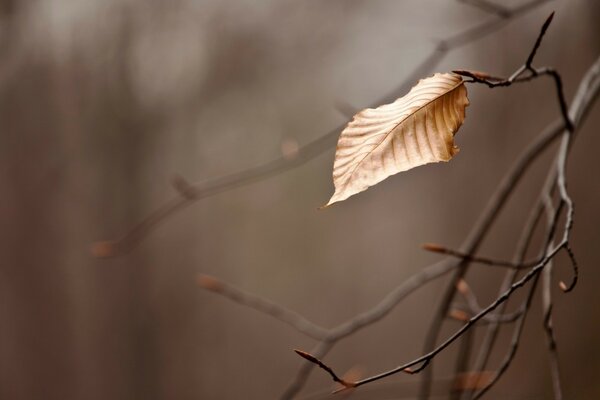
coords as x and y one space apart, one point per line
101 102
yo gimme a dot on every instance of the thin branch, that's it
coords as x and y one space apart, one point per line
487 28
549 329
464 313
461 363
536 46
424 360
518 330
544 203
483 225
485 221
496 203
489 7
299 380
392 299
321 365
474 307
588 91
436 248
265 306
522 247
473 241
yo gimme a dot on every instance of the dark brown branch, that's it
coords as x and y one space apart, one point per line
538 41
318 362
423 361
392 299
472 243
355 326
563 286
588 91
320 350
487 218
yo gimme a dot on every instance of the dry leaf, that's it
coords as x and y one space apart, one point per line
414 130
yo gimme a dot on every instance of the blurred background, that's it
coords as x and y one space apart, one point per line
102 102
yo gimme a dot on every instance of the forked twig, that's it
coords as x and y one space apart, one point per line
585 97
436 248
420 363
328 338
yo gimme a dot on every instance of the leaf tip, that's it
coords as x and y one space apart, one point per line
335 198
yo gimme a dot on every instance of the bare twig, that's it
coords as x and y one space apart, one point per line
318 362
553 132
489 7
473 241
277 311
474 307
521 249
536 46
514 341
436 248
421 362
328 337
543 203
588 90
549 329
547 303
580 107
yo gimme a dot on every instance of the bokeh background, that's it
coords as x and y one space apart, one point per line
103 101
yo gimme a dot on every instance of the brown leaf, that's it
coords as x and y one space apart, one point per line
414 130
